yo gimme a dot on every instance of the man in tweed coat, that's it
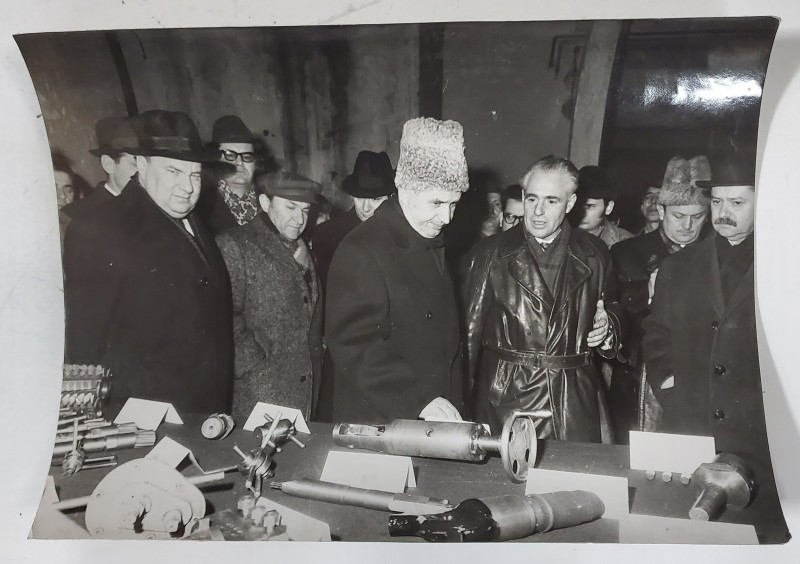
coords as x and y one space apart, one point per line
277 312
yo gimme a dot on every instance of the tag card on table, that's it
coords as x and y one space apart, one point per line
257 419
383 472
147 414
172 453
612 490
50 523
651 529
299 527
666 452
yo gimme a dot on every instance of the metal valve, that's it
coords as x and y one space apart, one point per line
454 440
725 482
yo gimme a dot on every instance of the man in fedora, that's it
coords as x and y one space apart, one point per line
540 302
230 199
596 199
392 322
277 307
700 344
146 290
370 184
682 208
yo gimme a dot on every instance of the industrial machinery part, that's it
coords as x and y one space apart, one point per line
84 388
360 497
500 518
725 482
138 439
143 498
73 461
257 464
259 525
97 432
217 426
454 440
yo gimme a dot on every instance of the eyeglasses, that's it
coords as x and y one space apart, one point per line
231 156
512 219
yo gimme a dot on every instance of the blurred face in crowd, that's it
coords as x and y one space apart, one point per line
119 171
288 216
549 196
733 211
650 205
65 192
236 154
513 213
365 207
428 211
594 213
494 210
174 185
683 224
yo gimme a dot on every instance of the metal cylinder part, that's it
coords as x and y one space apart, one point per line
217 426
725 482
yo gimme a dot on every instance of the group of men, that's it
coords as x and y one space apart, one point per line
361 320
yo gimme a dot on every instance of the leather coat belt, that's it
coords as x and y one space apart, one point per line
540 360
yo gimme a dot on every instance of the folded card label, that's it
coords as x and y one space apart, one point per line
382 472
666 452
272 411
147 414
172 453
637 529
299 527
612 490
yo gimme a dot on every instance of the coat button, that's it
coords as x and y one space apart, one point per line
719 415
305 299
429 315
302 378
204 281
715 325
719 370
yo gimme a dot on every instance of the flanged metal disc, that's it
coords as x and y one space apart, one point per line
518 445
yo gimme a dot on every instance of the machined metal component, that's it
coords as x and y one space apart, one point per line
453 440
666 477
217 426
725 482
503 517
138 439
84 388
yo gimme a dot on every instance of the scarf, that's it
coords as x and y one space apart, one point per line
244 208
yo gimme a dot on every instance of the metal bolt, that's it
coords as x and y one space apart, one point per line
685 479
666 477
651 475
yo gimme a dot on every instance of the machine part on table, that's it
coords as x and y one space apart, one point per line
84 388
258 525
113 442
651 475
73 461
725 482
99 462
98 432
217 426
360 497
503 517
143 498
452 440
276 432
685 479
666 477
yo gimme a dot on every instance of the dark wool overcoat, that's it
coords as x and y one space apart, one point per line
392 323
325 238
710 349
510 307
149 301
277 320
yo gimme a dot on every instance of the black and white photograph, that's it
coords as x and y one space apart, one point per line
423 281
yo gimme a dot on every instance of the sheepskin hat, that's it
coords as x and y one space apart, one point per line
680 182
432 156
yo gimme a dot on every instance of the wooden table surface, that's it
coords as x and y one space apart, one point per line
452 480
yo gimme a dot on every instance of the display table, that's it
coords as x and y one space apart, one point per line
452 480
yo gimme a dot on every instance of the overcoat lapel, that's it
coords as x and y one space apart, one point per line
717 299
523 269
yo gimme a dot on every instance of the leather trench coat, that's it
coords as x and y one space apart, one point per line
510 308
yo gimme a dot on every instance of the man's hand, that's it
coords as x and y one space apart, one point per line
440 410
600 328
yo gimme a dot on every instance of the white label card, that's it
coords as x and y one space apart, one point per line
257 418
299 527
383 472
147 414
650 529
666 452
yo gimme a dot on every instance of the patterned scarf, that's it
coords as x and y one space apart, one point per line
244 208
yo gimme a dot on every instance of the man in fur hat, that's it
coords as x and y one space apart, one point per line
146 290
540 300
700 344
392 322
683 208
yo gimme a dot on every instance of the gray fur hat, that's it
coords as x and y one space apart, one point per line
432 156
680 182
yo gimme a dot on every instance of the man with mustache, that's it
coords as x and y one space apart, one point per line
700 344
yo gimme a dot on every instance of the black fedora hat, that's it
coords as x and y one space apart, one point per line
735 172
114 135
164 133
594 183
372 176
230 129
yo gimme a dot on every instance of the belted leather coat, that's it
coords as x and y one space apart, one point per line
511 312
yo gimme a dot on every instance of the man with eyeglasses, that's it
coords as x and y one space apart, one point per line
513 211
231 199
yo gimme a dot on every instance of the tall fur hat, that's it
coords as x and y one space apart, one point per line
679 187
432 156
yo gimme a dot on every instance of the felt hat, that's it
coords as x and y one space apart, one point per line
114 135
740 172
432 156
163 133
681 182
230 129
289 186
593 183
372 176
